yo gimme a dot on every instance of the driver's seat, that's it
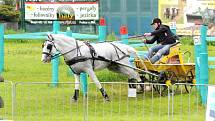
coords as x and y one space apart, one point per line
174 56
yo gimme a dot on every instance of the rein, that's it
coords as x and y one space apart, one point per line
59 54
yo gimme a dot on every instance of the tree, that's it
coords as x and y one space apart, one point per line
9 14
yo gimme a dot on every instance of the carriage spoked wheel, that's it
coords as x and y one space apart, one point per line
167 79
189 80
150 79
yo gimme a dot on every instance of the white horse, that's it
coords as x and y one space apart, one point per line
85 57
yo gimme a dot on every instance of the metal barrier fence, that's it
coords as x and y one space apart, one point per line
6 93
40 101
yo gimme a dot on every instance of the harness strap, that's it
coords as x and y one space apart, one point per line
76 60
117 48
46 53
78 49
74 71
92 52
94 56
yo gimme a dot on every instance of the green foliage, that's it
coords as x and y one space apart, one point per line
212 43
111 37
186 40
9 14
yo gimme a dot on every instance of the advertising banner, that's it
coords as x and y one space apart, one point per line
210 112
188 14
83 12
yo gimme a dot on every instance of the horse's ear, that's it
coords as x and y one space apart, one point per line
50 37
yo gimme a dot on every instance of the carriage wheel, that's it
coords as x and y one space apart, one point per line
189 79
1 102
151 79
154 80
168 78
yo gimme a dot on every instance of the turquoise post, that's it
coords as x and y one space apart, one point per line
173 27
124 34
68 32
197 44
204 65
83 78
55 62
173 30
102 30
1 48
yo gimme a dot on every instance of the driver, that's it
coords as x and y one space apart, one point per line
164 37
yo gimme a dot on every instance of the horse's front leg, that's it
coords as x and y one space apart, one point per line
77 86
98 84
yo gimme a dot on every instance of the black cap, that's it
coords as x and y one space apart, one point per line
156 20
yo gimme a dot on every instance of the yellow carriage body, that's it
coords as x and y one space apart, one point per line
172 62
170 66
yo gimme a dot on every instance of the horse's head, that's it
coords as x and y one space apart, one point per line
49 49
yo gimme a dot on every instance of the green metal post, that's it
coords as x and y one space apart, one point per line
1 48
203 64
22 10
55 62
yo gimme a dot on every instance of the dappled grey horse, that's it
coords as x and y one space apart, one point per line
87 57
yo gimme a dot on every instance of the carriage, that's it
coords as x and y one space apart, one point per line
86 57
171 69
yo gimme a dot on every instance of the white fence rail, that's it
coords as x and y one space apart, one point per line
40 101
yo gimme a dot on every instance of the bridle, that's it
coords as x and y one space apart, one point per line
49 46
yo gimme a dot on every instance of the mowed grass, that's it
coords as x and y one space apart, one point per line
48 103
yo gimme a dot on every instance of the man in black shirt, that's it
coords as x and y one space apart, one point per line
164 37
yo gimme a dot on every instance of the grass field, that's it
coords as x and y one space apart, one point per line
44 102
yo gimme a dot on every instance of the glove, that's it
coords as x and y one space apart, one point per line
147 34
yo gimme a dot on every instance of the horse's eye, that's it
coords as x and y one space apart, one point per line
49 46
43 45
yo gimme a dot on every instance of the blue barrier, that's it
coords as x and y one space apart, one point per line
210 39
1 48
55 62
202 59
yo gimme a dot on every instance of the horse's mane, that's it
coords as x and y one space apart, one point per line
63 38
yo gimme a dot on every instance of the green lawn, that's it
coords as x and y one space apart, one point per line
44 102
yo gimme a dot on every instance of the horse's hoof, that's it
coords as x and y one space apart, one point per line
140 91
1 79
74 100
1 102
107 99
